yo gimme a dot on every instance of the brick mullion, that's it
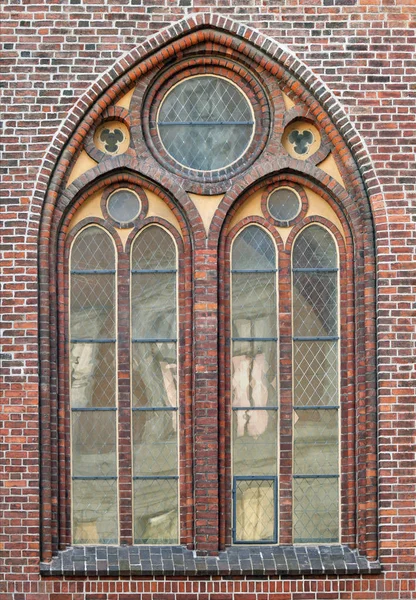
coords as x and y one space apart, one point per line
347 397
286 402
64 408
124 401
205 400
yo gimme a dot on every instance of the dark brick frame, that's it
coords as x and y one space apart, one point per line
297 82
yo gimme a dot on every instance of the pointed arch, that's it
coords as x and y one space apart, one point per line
280 72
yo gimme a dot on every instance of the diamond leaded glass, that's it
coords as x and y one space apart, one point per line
154 387
316 387
205 123
93 388
284 204
254 385
255 516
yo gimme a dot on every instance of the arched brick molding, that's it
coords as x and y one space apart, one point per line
207 33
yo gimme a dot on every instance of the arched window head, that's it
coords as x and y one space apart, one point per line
255 393
93 387
154 386
123 371
316 375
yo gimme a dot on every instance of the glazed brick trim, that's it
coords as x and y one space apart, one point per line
177 561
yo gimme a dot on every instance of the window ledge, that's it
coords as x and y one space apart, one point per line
257 561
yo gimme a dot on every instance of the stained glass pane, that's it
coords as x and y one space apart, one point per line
95 515
316 442
255 511
315 248
154 374
315 303
156 511
315 374
93 375
253 248
94 442
255 442
153 249
315 510
123 206
155 444
153 305
284 204
254 305
93 249
92 306
205 123
254 374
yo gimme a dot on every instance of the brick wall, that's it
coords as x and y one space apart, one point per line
364 52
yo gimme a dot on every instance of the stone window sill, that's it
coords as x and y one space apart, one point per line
253 561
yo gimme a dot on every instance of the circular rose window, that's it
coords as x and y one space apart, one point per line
123 206
205 123
284 204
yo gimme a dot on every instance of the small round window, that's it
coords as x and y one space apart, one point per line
205 123
284 204
123 206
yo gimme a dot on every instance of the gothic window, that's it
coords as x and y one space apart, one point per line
97 294
205 256
258 287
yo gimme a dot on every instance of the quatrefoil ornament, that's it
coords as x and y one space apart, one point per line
301 140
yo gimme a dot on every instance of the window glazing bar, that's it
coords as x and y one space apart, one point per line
317 338
92 408
315 270
152 408
93 341
317 407
151 477
204 123
137 271
93 272
153 340
97 478
255 408
315 476
254 270
254 339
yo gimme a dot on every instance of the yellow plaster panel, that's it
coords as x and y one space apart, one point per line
330 166
123 235
206 206
124 102
319 207
158 208
288 102
89 208
250 208
284 233
83 164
